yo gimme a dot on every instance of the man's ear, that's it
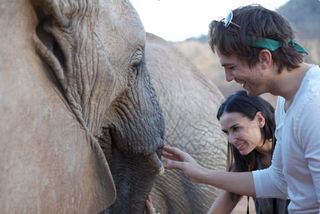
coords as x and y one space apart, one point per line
265 58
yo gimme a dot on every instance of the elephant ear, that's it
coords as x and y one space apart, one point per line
55 42
50 44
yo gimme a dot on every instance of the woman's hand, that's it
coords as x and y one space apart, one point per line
149 206
182 161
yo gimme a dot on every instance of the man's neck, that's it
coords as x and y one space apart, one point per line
287 83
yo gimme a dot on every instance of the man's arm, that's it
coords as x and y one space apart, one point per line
238 182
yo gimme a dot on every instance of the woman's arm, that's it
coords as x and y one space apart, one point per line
238 182
224 203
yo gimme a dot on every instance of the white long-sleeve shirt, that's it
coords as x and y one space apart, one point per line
295 168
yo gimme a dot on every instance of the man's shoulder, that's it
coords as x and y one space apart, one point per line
310 87
313 80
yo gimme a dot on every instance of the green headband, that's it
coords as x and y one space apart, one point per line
273 45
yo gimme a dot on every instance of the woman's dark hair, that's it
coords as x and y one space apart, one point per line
248 106
255 21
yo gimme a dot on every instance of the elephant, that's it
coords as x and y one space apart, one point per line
189 103
76 97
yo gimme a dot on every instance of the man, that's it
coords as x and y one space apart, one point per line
256 47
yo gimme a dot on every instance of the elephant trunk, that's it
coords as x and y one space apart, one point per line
156 163
134 177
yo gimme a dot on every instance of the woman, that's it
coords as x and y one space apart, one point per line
249 124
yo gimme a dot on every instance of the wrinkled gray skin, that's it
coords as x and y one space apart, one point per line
189 103
74 91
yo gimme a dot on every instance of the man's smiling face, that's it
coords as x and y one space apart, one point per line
251 79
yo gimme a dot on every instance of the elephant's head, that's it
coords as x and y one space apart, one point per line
95 50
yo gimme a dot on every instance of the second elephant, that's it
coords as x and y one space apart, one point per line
189 103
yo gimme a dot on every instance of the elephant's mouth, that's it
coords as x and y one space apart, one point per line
118 142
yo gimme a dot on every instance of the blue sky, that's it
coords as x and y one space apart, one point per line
176 20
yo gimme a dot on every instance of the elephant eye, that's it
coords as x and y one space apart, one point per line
136 65
136 58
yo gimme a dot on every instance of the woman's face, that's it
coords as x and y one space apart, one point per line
242 132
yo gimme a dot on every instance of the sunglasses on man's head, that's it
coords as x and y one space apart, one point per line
270 44
228 20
